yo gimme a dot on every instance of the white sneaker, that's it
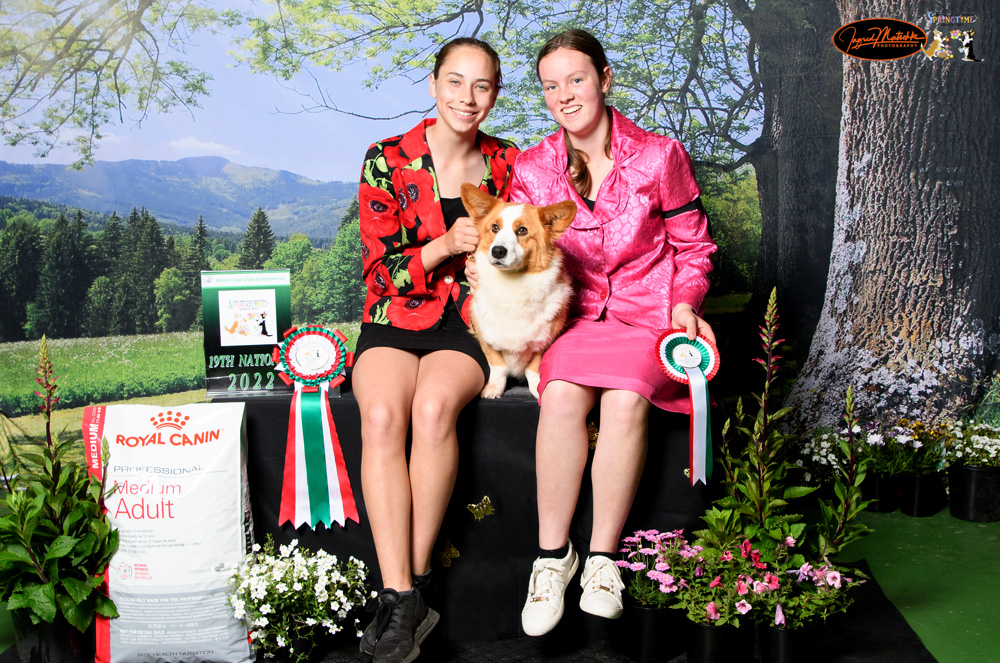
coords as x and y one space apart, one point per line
602 588
544 607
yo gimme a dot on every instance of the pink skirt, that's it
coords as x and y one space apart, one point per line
610 354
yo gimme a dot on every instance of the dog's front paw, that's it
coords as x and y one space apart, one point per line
497 383
492 390
532 377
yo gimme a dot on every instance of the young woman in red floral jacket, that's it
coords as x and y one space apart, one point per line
416 361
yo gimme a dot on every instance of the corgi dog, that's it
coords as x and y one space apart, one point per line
523 295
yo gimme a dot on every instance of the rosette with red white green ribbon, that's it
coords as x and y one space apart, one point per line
694 362
315 487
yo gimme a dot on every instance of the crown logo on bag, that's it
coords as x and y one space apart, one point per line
169 419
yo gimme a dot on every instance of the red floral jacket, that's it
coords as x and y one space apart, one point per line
400 211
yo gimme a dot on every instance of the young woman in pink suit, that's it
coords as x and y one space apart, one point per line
639 252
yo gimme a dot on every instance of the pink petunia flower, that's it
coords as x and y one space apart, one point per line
743 607
779 616
745 548
833 579
727 556
713 612
773 581
716 582
759 587
789 542
741 587
803 571
698 571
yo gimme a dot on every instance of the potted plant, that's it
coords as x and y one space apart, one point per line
886 459
747 546
653 568
973 456
922 486
293 600
55 538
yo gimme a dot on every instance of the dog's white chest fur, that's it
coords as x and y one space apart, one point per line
514 310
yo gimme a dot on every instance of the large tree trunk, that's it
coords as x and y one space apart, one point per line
910 317
796 157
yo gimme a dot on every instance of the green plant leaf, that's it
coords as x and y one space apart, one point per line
794 492
77 589
105 606
60 547
43 601
79 615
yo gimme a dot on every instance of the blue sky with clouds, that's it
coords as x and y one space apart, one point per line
250 119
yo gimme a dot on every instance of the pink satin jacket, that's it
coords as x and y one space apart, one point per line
646 246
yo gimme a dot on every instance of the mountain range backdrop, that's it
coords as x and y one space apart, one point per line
177 192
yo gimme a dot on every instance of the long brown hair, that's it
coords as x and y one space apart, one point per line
446 50
586 43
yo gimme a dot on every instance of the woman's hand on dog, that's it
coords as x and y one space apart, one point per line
472 272
684 317
463 237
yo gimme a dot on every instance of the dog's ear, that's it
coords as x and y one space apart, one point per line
477 202
558 217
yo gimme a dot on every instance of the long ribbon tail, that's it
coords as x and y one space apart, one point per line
699 443
342 504
286 512
314 447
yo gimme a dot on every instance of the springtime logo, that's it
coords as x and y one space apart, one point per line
879 39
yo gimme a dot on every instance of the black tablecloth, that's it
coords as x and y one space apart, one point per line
480 592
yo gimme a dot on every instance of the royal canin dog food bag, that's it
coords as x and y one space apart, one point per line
183 518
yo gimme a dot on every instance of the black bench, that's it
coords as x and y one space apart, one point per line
480 591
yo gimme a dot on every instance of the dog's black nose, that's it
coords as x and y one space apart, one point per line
499 252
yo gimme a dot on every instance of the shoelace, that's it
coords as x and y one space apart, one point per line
542 579
383 614
604 577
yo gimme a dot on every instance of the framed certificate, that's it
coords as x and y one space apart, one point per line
244 314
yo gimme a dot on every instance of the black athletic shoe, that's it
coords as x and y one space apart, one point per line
408 623
421 583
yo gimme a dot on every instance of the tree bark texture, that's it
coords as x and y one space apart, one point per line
910 318
796 157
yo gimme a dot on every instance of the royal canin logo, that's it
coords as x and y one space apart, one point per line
169 419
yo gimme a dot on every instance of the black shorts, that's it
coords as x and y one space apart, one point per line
451 333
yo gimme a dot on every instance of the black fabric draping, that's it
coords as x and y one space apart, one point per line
481 592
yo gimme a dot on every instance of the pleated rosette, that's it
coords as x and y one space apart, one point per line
695 363
315 486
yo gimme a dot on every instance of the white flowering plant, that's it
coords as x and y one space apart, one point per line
907 446
975 444
291 598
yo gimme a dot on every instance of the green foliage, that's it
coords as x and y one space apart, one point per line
174 302
290 255
63 282
347 286
733 209
99 307
55 539
681 68
21 250
755 520
987 410
70 67
258 242
99 370
143 258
